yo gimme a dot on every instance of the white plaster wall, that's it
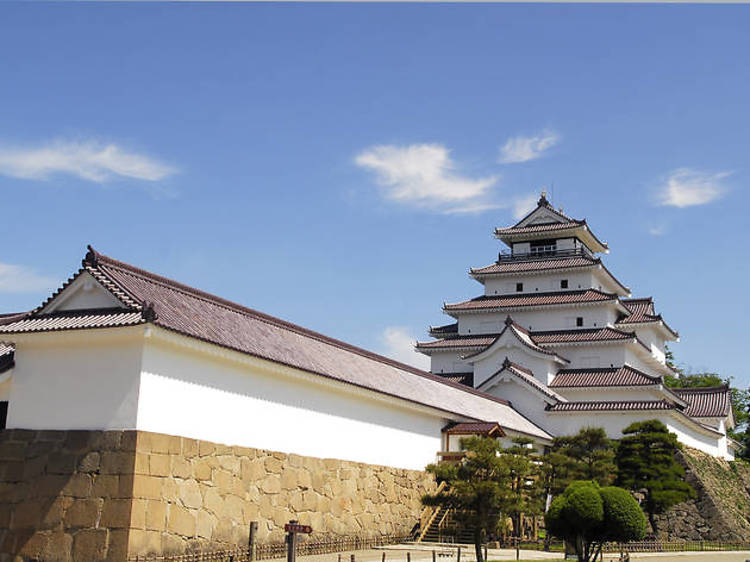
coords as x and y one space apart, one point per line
609 393
592 356
199 396
75 382
614 422
84 293
484 369
594 316
652 338
524 401
449 362
541 283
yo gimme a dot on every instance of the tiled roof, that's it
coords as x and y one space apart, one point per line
544 227
642 311
528 377
619 406
524 266
79 319
614 376
181 309
580 336
448 329
531 299
536 338
461 378
708 402
474 427
6 357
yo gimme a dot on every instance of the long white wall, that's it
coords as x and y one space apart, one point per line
541 283
191 394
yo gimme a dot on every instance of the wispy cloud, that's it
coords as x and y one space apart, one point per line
524 205
522 149
87 160
686 187
657 230
21 279
424 175
398 344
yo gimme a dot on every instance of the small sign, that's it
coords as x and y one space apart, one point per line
296 528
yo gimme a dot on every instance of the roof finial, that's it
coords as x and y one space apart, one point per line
506 363
147 311
91 257
543 198
508 320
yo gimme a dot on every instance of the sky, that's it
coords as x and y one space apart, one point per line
342 166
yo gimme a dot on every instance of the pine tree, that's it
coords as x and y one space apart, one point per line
478 487
645 460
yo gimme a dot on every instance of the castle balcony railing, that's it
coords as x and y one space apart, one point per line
543 252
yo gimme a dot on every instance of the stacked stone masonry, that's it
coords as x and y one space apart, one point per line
109 495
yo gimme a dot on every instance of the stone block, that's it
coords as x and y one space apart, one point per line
273 465
206 448
229 463
116 514
144 542
82 513
205 525
10 451
138 513
59 548
78 486
90 545
148 487
181 468
213 502
117 547
156 515
142 463
189 493
189 448
159 465
89 462
202 469
117 462
106 486
34 546
28 514
271 485
252 470
223 480
180 521
62 463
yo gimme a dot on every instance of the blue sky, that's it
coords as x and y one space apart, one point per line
342 166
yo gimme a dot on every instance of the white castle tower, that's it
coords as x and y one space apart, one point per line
557 335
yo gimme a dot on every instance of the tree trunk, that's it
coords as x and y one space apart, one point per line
478 544
652 520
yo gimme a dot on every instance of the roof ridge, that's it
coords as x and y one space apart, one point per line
697 389
278 322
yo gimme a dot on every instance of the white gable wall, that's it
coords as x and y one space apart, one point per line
75 380
82 294
524 400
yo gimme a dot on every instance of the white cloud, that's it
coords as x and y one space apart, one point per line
522 149
685 187
473 208
21 279
424 175
398 344
657 230
522 206
89 160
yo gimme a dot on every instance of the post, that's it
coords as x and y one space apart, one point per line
518 548
251 539
384 556
458 556
434 556
408 556
352 559
485 551
291 544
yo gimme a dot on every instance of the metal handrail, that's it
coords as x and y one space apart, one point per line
543 252
424 527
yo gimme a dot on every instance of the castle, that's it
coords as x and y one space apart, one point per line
560 337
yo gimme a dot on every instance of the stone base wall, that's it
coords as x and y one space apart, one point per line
92 495
721 510
65 495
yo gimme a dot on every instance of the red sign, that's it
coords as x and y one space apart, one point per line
295 528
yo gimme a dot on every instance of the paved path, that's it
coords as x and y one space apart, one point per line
423 553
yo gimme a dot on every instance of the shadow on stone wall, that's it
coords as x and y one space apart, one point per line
65 495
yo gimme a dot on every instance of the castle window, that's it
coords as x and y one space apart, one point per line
579 321
3 414
519 287
563 283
